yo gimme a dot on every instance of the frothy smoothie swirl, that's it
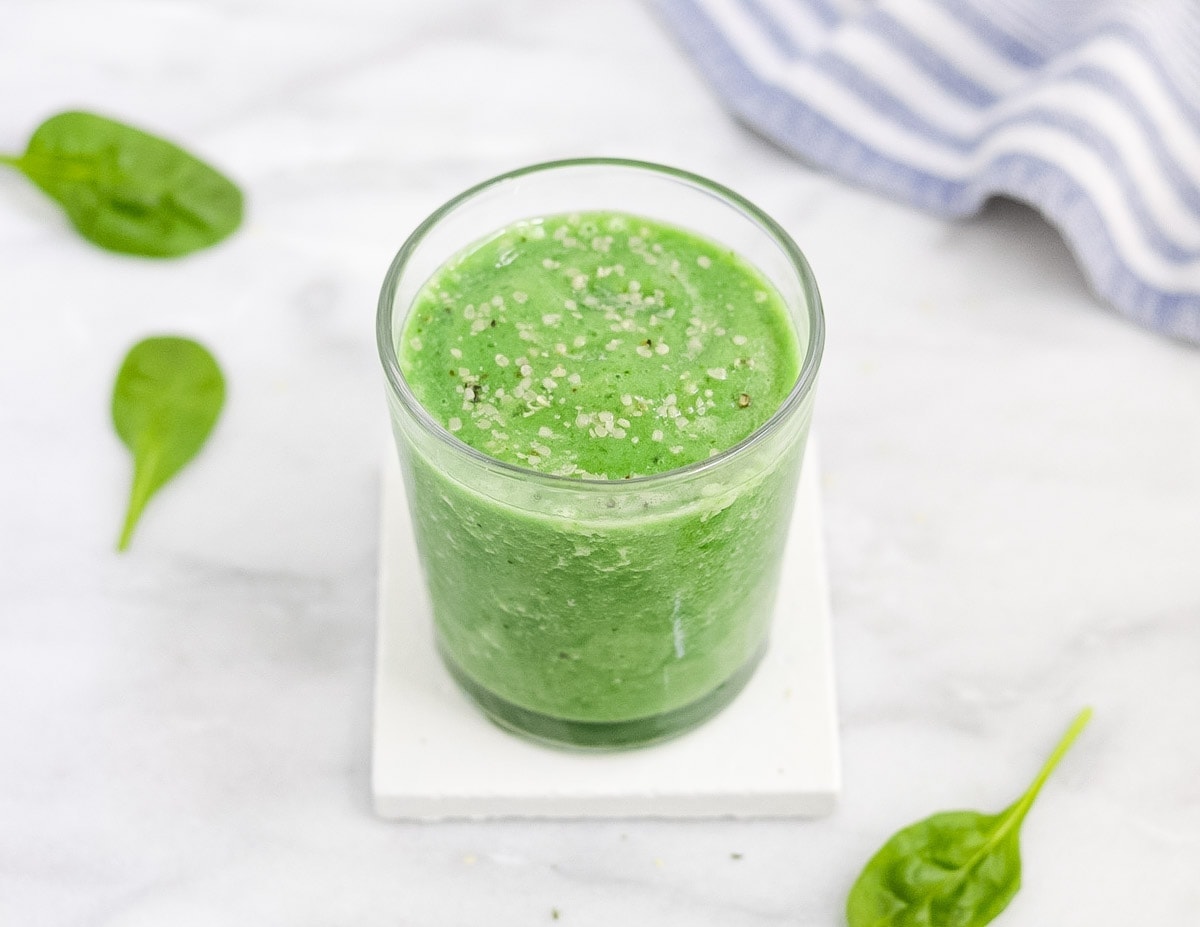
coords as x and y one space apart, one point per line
599 346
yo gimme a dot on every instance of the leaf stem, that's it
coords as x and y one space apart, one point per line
132 513
1013 816
1025 802
11 160
139 495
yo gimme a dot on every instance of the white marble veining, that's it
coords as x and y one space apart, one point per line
1012 499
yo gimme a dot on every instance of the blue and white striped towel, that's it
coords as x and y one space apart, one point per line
1089 110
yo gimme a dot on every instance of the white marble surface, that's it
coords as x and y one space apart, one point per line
1012 492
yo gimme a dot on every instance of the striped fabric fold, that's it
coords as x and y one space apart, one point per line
1088 110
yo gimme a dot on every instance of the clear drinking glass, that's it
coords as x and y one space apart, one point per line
601 614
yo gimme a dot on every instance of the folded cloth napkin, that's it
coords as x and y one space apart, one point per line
1089 110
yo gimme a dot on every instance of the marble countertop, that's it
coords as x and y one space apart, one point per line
1011 489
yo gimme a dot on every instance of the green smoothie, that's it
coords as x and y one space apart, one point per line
590 604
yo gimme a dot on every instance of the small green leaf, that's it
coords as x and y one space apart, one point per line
167 397
956 869
128 191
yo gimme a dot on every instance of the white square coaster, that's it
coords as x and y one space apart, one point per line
773 752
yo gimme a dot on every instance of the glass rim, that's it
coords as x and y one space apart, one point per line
384 327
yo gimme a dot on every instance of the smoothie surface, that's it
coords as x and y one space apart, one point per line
599 346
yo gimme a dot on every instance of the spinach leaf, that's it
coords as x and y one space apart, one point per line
957 869
167 397
128 191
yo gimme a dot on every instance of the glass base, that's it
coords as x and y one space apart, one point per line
601 735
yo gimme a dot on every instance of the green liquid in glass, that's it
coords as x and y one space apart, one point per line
600 346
